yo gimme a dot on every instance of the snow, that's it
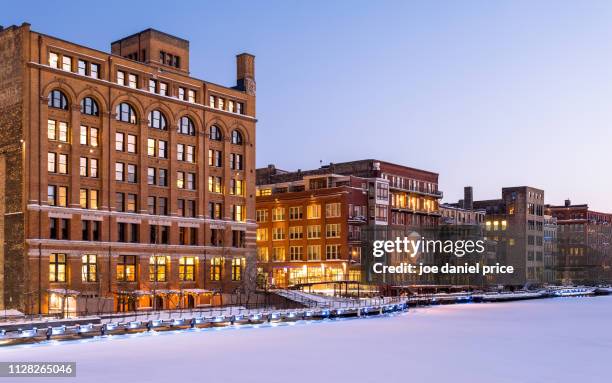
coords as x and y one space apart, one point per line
549 340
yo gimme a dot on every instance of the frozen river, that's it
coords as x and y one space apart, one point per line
551 340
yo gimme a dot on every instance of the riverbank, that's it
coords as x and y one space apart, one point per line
550 340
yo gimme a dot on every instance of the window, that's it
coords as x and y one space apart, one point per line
151 147
230 106
131 203
190 155
57 195
332 252
238 238
215 210
51 162
262 234
237 266
295 253
157 120
262 254
120 201
191 96
162 206
181 93
162 149
186 126
57 130
239 108
53 60
215 158
296 232
314 231
162 179
314 252
57 99
216 267
89 106
278 214
151 176
278 233
221 103
125 113
163 88
119 171
215 133
236 187
94 70
295 213
120 142
67 63
82 67
180 180
88 198
238 213
62 163
126 268
157 269
88 268
57 268
180 152
313 212
187 268
236 161
89 136
190 185
131 173
278 254
211 101
152 86
214 184
332 230
236 137
131 146
332 210
132 81
120 77
261 215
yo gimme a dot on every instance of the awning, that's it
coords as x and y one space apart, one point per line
196 291
65 292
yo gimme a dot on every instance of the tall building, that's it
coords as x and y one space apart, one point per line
312 224
516 223
551 249
584 245
125 183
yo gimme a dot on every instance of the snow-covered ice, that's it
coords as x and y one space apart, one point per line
552 340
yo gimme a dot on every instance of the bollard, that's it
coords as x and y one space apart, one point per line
149 325
49 332
192 323
103 330
232 319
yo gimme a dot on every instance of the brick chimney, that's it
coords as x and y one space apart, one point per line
245 73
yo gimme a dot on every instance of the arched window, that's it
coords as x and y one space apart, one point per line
90 106
215 133
57 99
186 126
126 113
236 137
157 120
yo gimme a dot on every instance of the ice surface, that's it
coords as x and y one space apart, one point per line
550 340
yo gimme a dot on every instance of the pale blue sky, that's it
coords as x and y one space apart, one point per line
486 93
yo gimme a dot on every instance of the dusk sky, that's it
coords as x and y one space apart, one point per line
486 93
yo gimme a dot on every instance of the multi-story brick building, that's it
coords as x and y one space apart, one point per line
551 249
125 183
516 223
584 241
311 223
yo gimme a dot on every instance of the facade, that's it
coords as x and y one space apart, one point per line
312 224
584 244
126 184
551 249
516 223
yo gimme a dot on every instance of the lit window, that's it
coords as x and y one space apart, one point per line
157 269
57 268
187 268
88 268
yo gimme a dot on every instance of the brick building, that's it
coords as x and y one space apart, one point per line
125 183
516 223
584 244
311 224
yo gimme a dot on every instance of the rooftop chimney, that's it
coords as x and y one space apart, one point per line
568 202
468 198
245 73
